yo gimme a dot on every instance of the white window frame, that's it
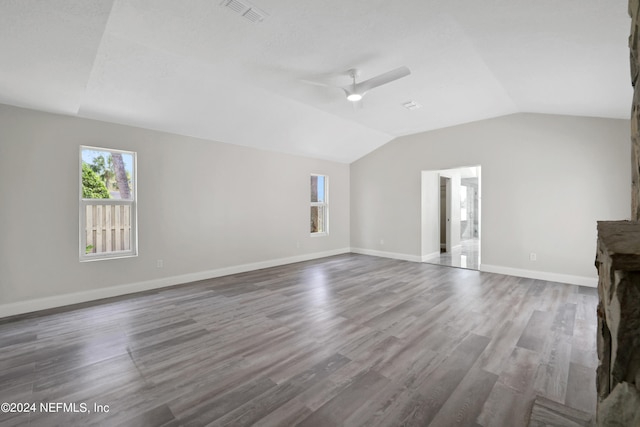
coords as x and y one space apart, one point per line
133 203
324 205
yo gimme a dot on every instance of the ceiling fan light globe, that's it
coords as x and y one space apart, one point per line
354 97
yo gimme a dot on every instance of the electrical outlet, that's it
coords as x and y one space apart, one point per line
533 256
159 263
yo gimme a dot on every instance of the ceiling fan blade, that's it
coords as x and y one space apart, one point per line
382 79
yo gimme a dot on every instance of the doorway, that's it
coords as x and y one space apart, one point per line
445 214
457 194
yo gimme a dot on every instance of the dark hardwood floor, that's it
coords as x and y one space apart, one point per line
348 340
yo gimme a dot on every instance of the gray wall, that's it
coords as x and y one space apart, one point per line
205 208
546 180
208 208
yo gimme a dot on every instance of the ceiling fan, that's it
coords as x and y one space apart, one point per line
356 91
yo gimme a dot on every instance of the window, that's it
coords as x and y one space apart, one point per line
107 204
319 204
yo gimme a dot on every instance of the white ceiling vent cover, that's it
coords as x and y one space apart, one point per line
246 9
412 105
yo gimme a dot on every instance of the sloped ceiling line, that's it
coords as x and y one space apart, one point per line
200 70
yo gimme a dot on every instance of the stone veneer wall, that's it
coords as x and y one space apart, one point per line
618 375
634 47
618 263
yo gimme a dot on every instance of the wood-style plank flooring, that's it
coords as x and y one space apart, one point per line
349 340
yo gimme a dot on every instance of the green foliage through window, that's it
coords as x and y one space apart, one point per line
92 185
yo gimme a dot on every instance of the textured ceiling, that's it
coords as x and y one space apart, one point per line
196 68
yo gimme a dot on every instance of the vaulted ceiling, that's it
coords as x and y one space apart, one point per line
198 68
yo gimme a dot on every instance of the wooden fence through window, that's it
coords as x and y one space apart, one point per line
108 228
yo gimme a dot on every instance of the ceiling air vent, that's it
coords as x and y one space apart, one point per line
246 9
411 105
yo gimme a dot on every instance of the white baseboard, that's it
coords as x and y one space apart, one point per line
591 282
427 256
22 307
393 255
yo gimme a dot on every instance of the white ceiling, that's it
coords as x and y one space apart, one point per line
196 68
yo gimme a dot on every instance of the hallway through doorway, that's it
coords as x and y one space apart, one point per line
451 217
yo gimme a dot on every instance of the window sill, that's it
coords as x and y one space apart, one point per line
107 257
319 234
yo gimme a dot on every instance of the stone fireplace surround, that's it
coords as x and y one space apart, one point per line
618 374
618 264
